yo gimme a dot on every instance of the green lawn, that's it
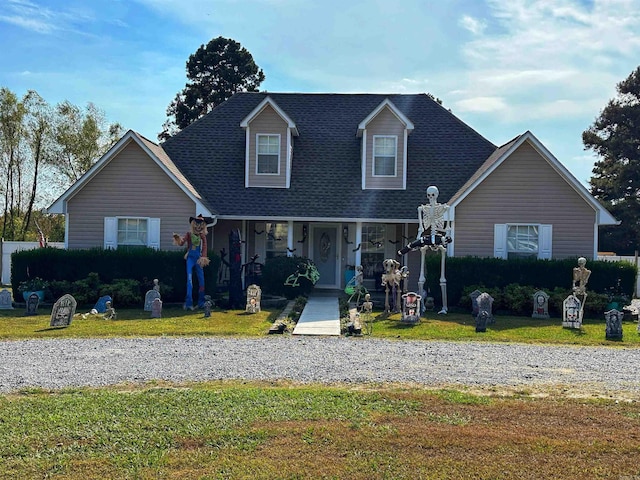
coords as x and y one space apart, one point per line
276 430
175 321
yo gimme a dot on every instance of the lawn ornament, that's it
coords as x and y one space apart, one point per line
391 278
196 256
433 234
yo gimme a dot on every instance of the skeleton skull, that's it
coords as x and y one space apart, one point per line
432 194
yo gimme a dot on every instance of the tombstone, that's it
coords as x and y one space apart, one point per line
254 295
33 301
207 306
481 321
63 311
571 312
156 308
474 302
613 320
101 304
411 308
540 305
485 307
5 300
149 298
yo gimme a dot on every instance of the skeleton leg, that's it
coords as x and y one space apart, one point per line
422 278
443 280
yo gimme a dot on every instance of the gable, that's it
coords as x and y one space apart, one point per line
386 127
267 124
524 189
131 184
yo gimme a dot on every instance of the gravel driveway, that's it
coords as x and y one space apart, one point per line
53 364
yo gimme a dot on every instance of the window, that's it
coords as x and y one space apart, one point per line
373 242
131 232
384 156
268 155
276 240
522 241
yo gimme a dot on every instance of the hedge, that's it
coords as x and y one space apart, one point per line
140 264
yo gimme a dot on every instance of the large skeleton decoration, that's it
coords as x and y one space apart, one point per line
433 234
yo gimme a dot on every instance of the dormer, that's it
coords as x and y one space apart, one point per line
384 136
269 146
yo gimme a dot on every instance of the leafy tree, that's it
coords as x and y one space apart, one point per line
40 144
214 72
615 138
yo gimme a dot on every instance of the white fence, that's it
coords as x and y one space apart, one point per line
7 248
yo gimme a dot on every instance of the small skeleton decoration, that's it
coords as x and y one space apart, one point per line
581 276
433 234
391 282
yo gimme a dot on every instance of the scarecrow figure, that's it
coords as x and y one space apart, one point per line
196 257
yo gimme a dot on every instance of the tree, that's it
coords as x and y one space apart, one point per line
40 144
214 73
615 138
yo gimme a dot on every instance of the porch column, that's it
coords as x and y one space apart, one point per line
358 259
290 238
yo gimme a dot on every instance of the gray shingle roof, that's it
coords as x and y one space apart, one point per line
326 167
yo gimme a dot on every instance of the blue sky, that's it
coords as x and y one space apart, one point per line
502 66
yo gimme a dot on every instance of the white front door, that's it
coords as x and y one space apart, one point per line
325 253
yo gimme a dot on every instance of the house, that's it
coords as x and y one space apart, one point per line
337 178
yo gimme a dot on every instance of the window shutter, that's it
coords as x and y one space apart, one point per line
110 233
153 232
545 241
500 240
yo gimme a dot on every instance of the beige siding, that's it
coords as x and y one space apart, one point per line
385 123
268 122
130 185
524 189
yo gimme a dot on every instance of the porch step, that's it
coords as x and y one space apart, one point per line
321 316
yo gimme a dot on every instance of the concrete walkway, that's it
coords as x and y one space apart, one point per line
321 316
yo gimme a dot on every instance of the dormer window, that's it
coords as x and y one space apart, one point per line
385 155
384 134
268 155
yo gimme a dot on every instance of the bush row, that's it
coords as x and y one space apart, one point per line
114 268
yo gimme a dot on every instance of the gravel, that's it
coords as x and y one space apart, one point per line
55 364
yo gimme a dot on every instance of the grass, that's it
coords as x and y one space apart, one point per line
15 325
285 431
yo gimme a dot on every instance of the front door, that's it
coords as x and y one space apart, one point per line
326 255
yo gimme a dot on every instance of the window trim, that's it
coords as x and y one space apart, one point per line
111 232
268 135
545 239
374 156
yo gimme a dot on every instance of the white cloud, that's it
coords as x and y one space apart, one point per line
481 104
472 24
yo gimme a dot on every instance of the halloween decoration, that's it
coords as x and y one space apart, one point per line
196 257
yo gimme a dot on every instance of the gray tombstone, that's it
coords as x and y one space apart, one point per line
485 307
540 305
481 322
63 311
613 320
571 312
33 301
411 308
254 296
156 308
149 297
208 304
101 304
474 302
5 300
